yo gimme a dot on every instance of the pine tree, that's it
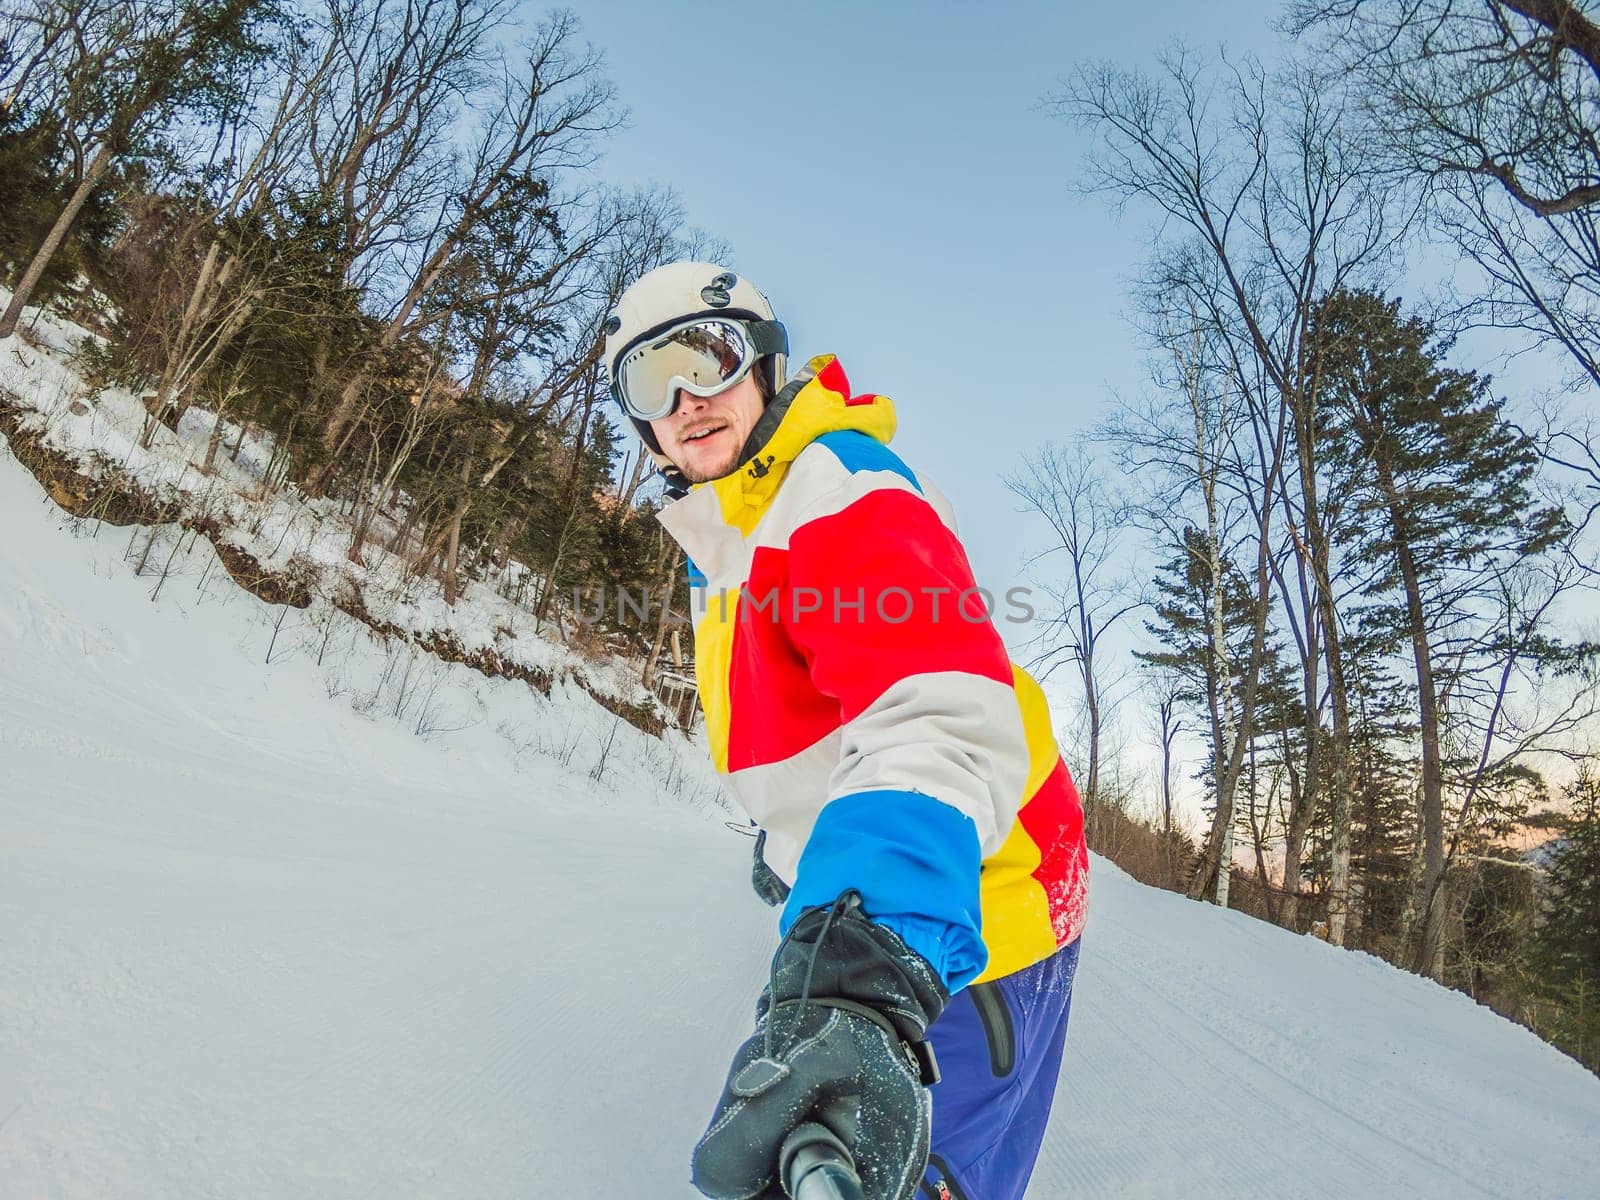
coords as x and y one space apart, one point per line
1182 627
33 191
1441 487
1383 779
1566 947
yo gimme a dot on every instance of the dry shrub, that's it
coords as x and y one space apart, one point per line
107 494
647 716
589 643
1139 846
349 599
291 586
485 660
1264 901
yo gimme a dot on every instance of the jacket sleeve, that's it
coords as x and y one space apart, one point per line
933 757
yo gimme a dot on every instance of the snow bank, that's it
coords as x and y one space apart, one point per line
281 529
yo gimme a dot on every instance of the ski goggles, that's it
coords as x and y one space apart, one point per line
702 357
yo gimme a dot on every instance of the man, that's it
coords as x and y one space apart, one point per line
918 824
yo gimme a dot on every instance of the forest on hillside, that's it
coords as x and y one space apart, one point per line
373 229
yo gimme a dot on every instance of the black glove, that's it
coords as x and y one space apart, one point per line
764 879
838 1041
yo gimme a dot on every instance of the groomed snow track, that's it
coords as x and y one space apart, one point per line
253 944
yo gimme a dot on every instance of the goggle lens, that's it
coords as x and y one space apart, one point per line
704 357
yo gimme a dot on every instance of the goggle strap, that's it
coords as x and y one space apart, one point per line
768 337
738 316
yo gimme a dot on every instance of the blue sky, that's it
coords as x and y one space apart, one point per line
885 174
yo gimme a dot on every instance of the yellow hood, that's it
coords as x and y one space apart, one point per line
822 404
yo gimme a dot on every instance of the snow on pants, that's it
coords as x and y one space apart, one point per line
999 1049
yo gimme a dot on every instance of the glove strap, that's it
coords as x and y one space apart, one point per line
919 1054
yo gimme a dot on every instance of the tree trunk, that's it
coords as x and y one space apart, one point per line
660 638
1328 618
451 563
318 483
402 538
1339 745
340 419
1220 680
1339 852
1091 699
279 460
1426 898
1169 733
452 556
1294 845
213 443
1219 847
52 242
1258 836
363 505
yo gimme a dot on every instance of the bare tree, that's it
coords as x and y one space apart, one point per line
1094 592
549 107
1492 107
1164 690
1198 438
227 258
125 71
1573 449
1276 205
31 34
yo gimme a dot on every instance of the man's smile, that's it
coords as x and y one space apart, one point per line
703 433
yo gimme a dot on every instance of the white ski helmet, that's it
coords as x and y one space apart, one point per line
682 292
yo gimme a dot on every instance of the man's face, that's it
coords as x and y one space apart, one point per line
704 434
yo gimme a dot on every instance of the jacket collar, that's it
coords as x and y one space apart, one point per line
713 519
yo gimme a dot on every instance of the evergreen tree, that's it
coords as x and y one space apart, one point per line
1440 492
1566 947
1382 768
33 190
1182 627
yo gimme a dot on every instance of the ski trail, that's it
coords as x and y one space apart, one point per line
1188 1063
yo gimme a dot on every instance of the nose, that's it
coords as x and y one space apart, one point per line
689 403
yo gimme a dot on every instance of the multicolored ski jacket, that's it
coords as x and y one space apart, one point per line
860 702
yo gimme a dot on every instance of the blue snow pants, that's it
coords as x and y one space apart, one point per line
999 1049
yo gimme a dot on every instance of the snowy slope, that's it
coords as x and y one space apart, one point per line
98 428
254 943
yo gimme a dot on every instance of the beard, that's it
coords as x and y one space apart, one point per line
706 470
715 471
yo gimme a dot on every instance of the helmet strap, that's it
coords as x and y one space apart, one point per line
677 483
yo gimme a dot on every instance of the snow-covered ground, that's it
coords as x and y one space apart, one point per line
265 932
281 529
